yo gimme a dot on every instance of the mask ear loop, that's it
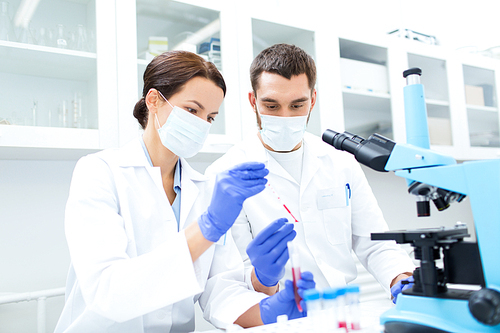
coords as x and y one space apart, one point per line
166 100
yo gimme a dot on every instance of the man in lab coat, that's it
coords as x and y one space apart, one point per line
310 182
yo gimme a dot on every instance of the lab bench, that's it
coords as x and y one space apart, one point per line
369 313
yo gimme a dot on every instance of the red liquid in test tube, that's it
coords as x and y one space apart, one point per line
294 260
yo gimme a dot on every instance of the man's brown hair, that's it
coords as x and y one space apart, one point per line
285 60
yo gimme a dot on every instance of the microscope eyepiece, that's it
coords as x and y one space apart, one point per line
411 71
373 152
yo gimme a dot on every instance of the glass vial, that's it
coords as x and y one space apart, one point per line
81 39
6 26
352 302
330 307
63 114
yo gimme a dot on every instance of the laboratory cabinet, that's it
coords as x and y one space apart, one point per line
460 93
60 101
56 86
146 28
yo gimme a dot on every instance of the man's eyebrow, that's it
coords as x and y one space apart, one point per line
269 100
300 100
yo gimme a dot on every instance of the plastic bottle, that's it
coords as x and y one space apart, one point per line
352 303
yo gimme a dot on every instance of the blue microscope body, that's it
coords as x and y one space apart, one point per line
432 305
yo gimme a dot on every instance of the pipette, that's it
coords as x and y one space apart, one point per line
277 196
295 262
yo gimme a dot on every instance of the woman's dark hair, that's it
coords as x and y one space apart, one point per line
285 60
169 72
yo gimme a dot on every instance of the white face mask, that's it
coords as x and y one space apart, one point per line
183 133
282 133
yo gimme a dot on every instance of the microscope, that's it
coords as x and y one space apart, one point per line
464 295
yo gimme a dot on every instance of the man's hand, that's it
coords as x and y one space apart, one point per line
268 251
402 282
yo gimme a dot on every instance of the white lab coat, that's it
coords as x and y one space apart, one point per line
131 269
335 207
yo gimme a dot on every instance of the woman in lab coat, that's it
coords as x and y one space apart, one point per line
140 256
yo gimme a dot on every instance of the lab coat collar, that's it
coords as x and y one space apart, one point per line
258 153
132 155
189 191
314 150
311 159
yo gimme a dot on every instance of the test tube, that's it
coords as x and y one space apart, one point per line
330 307
341 313
295 262
352 302
312 298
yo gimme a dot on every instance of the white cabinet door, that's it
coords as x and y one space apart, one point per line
51 69
147 28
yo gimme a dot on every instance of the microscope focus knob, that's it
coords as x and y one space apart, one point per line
484 305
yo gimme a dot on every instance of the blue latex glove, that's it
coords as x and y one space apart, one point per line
232 188
268 251
284 302
400 286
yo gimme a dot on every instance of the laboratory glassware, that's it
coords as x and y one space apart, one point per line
341 311
330 307
312 298
61 41
81 38
295 262
352 303
6 26
26 35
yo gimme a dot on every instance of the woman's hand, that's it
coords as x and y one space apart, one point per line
232 188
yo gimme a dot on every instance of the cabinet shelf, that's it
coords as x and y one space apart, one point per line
481 108
366 93
436 102
44 61
47 143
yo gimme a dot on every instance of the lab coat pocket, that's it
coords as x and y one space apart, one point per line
334 197
333 204
337 224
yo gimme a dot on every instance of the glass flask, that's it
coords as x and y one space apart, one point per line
6 26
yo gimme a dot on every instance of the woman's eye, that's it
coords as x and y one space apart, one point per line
191 110
211 119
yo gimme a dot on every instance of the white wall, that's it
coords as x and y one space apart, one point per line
33 251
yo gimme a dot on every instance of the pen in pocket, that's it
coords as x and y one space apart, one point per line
347 194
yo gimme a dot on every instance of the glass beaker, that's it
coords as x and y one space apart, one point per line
6 26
